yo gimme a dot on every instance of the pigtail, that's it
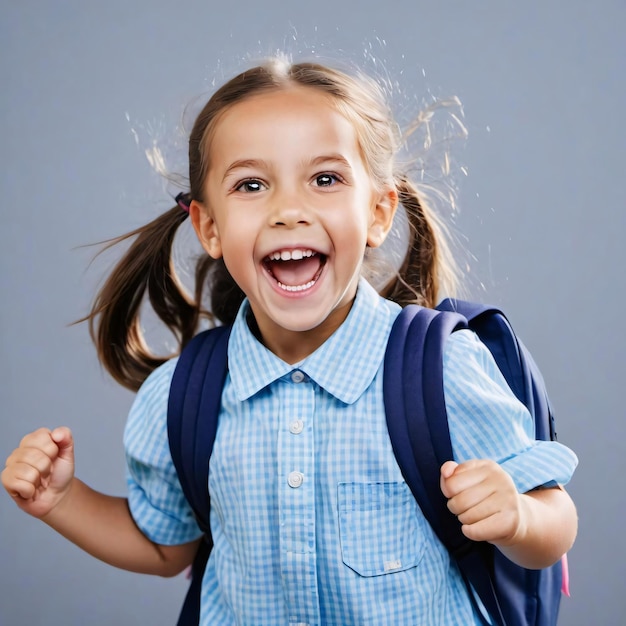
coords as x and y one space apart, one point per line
226 295
428 267
146 269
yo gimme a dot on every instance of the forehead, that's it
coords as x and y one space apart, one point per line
293 119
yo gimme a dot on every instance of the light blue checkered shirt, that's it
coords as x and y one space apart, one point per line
311 520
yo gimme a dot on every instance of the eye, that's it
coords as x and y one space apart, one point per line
251 185
326 180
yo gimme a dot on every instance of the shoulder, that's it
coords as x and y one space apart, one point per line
146 427
464 344
467 360
155 497
483 412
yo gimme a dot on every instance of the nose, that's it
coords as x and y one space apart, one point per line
288 210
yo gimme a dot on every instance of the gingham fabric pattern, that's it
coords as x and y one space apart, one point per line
311 520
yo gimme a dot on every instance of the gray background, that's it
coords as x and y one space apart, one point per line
541 208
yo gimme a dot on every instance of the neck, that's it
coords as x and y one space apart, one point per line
294 346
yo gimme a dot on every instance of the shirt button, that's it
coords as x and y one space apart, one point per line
297 376
296 427
295 479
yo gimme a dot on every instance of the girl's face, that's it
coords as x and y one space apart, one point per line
290 207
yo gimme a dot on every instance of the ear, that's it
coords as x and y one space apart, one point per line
206 229
382 217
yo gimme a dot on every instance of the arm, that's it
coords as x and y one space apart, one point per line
533 529
492 490
39 476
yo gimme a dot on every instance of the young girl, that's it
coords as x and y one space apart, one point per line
292 180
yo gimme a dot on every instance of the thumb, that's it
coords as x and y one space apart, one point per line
64 439
447 470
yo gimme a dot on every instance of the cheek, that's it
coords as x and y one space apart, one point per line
355 219
238 238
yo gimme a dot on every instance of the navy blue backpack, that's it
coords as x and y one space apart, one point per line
418 428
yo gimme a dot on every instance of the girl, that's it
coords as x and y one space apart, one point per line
292 181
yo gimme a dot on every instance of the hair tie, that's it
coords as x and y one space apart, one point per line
183 201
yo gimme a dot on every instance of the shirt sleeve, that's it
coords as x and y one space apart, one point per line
487 421
155 497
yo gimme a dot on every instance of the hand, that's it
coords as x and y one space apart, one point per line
39 473
484 498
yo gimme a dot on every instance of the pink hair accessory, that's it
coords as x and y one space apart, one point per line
565 583
182 200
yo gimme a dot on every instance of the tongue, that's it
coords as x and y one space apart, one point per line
294 273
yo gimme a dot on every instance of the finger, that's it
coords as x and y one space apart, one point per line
475 466
467 499
480 531
471 473
447 470
21 489
21 480
41 439
32 457
497 528
464 476
474 509
64 439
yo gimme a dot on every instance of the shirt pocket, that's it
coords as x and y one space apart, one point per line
380 526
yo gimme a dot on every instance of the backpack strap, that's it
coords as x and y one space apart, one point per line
418 427
196 390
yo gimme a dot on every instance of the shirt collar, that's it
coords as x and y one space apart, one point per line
344 365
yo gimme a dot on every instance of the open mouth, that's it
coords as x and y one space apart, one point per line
295 269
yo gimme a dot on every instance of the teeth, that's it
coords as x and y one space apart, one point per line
291 255
297 287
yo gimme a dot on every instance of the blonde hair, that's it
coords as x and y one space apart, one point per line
147 268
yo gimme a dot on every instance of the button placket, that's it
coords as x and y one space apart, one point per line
297 499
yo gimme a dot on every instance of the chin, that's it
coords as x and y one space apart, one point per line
299 325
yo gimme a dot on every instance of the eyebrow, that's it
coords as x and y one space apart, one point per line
331 158
261 164
244 163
